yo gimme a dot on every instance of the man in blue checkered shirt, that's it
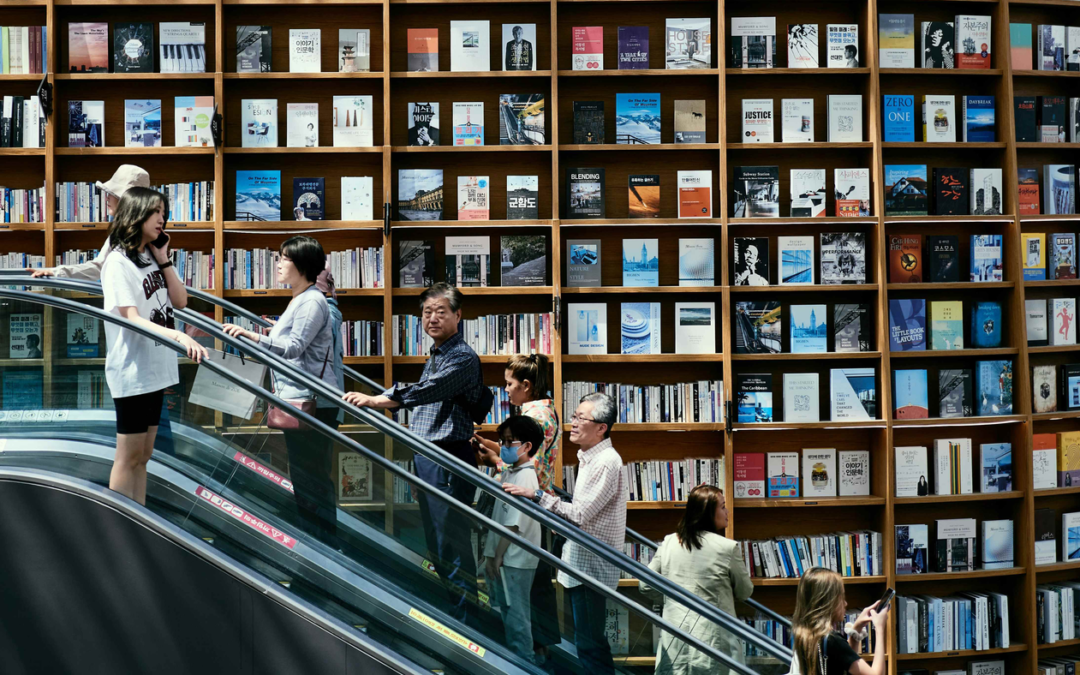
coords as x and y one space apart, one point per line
451 376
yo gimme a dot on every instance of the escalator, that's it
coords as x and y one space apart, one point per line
219 484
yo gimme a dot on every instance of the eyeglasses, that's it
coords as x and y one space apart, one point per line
579 418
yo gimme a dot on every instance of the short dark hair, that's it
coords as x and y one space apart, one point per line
307 254
442 290
524 429
699 515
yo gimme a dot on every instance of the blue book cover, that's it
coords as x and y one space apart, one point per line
309 199
996 467
640 263
809 334
911 394
640 327
899 113
258 195
754 397
637 119
907 325
905 190
986 325
633 47
978 119
22 390
993 388
986 257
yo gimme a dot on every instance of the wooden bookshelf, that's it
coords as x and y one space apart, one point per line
722 88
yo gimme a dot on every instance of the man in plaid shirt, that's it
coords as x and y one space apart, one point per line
451 377
599 508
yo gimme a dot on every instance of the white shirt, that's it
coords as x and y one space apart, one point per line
508 516
599 508
135 364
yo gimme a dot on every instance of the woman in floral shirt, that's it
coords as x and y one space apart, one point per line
527 385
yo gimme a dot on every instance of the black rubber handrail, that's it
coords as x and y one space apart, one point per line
390 466
616 558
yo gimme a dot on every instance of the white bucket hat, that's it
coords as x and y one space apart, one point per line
126 177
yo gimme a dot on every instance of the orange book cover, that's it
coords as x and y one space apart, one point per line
423 50
695 194
905 259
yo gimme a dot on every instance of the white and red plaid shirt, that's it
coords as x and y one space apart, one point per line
599 508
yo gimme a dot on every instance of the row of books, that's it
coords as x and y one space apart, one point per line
1056 613
78 202
352 123
246 324
357 267
1049 394
852 396
254 43
1046 119
662 481
494 334
182 47
965 621
521 122
1059 314
1058 665
259 198
142 123
640 328
756 192
850 554
403 491
954 388
20 261
1057 48
957 191
362 338
955 548
686 402
1057 460
523 261
1046 532
940 122
937 259
758 327
797 119
22 122
22 391
501 409
1048 255
896 42
640 260
688 46
194 268
640 553
19 205
782 633
775 475
24 50
953 471
842 259
908 325
251 269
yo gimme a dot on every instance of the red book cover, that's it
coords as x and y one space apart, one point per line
905 258
1029 191
423 50
750 475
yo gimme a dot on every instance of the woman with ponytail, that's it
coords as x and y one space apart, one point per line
820 649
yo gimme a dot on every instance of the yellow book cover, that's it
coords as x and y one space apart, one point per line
1033 248
1068 458
947 324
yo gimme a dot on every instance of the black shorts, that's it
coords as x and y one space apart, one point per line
136 414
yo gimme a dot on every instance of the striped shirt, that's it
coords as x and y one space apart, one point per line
599 508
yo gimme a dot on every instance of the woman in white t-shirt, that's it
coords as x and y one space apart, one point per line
139 283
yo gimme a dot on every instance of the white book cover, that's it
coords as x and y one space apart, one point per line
795 256
797 120
305 50
259 123
1063 311
695 327
852 192
478 249
354 50
852 393
986 190
688 44
819 472
696 262
32 121
473 197
757 120
1070 537
357 198
639 323
808 193
782 474
192 117
997 545
24 336
1035 322
468 123
182 46
845 118
942 477
1044 469
854 473
802 45
470 47
843 41
302 125
519 46
142 123
695 194
617 627
974 41
801 402
939 118
1072 52
353 122
587 323
912 475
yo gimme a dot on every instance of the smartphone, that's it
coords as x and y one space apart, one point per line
886 599
160 241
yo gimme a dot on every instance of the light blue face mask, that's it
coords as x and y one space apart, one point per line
508 454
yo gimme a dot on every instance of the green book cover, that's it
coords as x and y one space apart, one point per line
947 324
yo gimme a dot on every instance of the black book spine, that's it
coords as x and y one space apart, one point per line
17 122
1025 118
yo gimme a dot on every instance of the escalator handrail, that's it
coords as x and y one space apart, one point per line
389 465
200 549
636 536
444 459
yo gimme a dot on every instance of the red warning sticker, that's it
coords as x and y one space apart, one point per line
243 516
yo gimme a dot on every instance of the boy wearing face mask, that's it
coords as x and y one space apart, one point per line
509 568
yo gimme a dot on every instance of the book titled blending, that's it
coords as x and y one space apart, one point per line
585 193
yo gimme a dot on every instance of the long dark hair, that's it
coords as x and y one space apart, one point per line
531 367
700 515
125 231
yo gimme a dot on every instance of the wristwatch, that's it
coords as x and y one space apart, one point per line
165 265
537 495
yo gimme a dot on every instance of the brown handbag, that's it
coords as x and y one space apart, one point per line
276 418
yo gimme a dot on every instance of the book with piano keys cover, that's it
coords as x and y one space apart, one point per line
183 47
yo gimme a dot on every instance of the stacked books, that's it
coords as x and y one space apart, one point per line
850 554
494 334
22 206
362 338
966 621
686 402
357 267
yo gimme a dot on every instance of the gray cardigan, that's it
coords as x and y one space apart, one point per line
304 338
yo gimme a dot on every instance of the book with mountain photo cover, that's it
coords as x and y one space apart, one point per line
258 195
637 119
